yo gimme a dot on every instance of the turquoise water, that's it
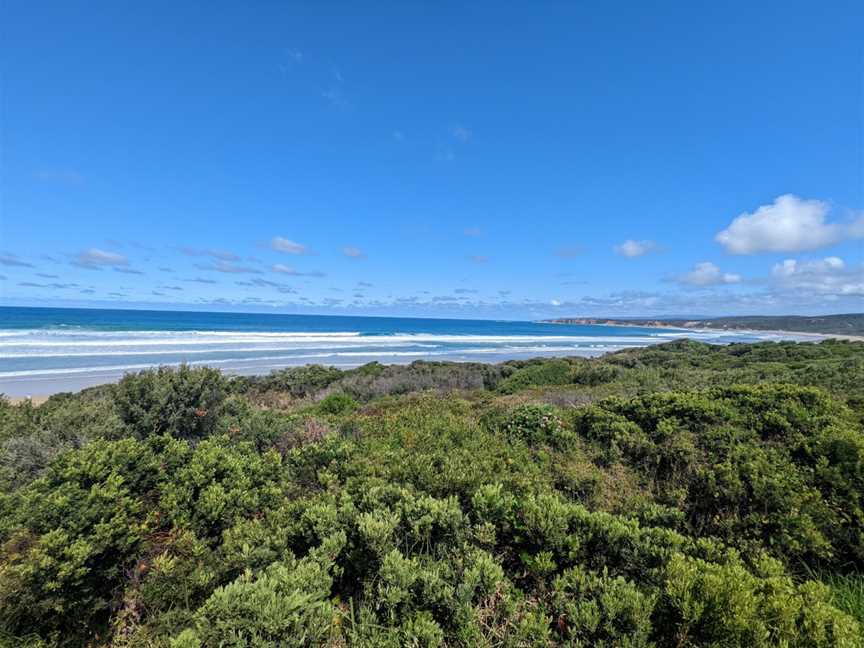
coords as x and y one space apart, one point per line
44 350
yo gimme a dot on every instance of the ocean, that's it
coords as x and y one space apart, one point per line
48 350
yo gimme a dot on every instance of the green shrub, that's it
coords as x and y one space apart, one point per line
537 424
710 604
287 605
337 403
550 372
596 610
681 503
183 402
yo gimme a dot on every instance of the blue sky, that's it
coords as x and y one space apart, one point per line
441 159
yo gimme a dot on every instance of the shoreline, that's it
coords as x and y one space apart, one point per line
709 329
40 396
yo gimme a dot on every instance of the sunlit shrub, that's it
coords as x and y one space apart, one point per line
183 402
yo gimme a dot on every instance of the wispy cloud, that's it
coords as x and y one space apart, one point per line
31 284
281 268
478 258
14 260
128 271
632 249
201 280
96 259
47 276
227 267
789 224
264 283
472 231
353 252
221 255
461 133
287 246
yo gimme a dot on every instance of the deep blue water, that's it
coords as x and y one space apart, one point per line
43 350
141 320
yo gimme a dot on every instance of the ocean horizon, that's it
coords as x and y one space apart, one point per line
50 350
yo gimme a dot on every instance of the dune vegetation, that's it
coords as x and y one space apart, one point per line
678 495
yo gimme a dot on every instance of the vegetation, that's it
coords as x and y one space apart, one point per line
849 324
679 495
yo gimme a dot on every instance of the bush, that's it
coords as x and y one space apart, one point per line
337 403
678 508
549 372
596 610
183 402
287 606
537 424
710 604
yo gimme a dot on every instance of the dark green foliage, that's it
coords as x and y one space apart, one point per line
682 495
70 537
552 372
297 381
537 424
184 402
337 403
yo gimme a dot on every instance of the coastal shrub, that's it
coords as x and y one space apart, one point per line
183 402
536 424
287 605
726 605
596 610
70 537
549 372
443 377
240 420
299 382
686 501
217 483
593 374
337 403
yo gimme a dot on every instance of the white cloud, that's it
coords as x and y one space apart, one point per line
288 270
555 302
828 276
632 249
789 224
228 267
94 258
708 274
353 252
288 247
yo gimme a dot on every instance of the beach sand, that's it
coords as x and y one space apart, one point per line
37 399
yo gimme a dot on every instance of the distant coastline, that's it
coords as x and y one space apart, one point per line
847 326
